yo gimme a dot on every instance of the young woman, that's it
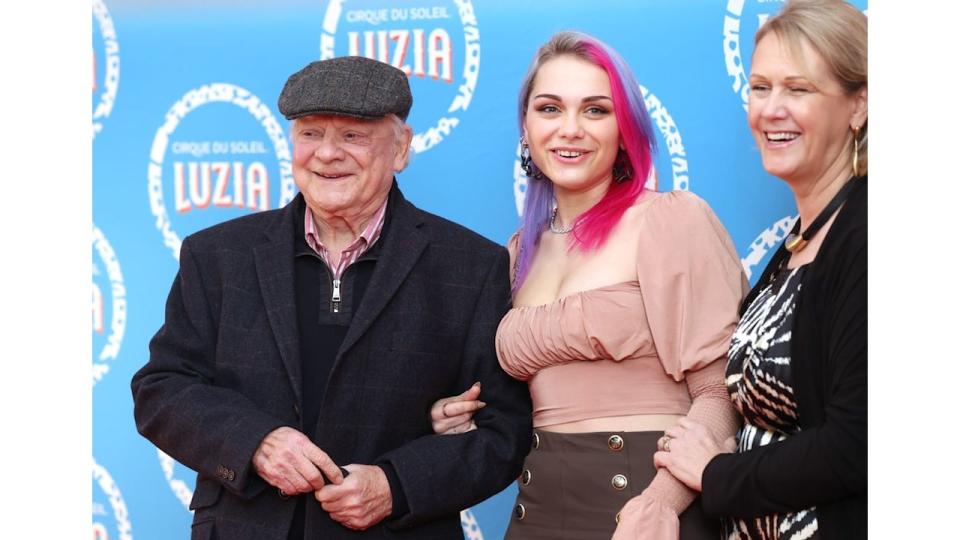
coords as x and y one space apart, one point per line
624 303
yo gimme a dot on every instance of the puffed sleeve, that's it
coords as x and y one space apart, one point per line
692 284
691 281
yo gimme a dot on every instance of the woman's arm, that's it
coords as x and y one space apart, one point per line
822 463
452 415
653 513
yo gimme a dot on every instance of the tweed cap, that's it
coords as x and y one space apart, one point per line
346 86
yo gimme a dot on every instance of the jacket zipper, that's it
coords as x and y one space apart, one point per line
335 298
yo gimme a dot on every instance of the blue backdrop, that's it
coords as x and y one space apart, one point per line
187 134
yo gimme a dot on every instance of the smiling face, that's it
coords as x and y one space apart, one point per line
344 166
799 114
570 124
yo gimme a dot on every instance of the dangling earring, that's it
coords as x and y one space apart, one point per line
856 151
526 163
622 171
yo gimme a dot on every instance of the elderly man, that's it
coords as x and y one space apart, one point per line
303 347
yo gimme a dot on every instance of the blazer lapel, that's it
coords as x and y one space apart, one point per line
275 271
399 253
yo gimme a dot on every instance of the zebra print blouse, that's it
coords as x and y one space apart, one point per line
761 388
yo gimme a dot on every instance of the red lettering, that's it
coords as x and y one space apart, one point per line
441 51
402 40
418 47
220 198
200 192
434 52
258 187
179 191
238 184
224 184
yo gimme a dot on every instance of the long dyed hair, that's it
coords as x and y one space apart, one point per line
592 228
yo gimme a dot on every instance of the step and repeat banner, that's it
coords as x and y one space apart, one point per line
186 134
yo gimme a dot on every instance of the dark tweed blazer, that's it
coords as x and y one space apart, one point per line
224 371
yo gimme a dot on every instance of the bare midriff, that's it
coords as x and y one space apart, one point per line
633 422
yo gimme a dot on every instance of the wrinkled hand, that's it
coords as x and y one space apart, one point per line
691 446
455 414
362 500
645 518
287 459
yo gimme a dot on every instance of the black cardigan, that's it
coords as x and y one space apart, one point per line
825 464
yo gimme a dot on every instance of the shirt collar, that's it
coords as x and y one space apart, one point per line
368 236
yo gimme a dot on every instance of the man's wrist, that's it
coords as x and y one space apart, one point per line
400 506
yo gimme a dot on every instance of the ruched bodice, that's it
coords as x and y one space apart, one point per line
587 325
588 355
624 348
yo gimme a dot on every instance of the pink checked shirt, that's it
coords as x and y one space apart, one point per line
369 236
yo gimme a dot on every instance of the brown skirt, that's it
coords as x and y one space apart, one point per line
573 485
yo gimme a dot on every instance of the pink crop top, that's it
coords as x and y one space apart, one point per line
626 348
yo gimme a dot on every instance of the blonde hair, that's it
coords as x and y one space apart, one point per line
838 32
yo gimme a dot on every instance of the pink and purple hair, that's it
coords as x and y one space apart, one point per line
591 228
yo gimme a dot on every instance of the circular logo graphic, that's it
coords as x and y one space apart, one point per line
743 22
210 178
109 305
421 37
671 154
171 469
765 244
106 65
744 18
115 523
471 529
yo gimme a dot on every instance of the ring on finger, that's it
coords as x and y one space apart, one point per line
664 443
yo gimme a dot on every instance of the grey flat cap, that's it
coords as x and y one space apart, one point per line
346 86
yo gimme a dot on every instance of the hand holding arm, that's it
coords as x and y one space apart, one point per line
455 414
687 448
827 460
653 515
441 475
